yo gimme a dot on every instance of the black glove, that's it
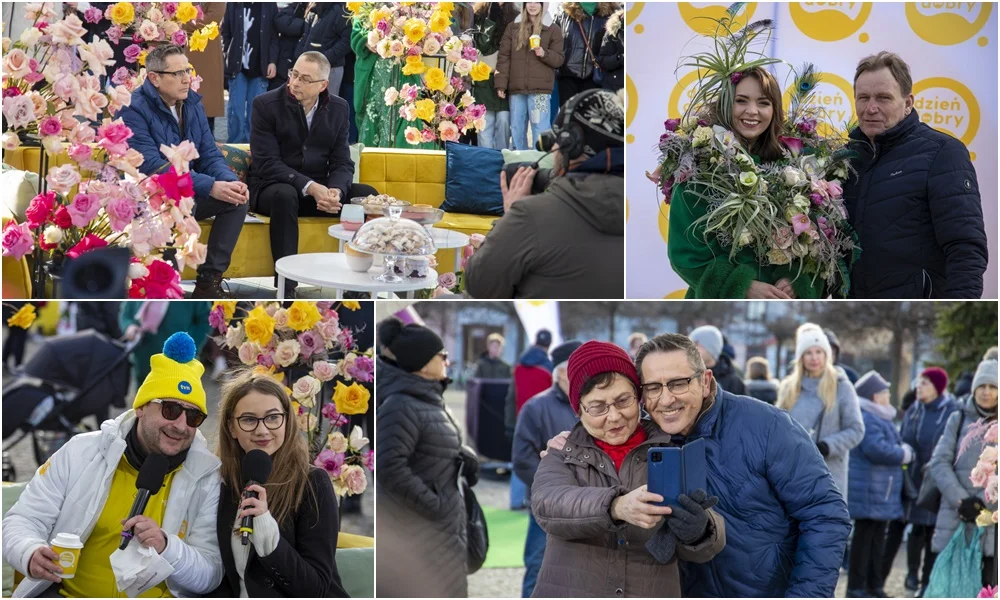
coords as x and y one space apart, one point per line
970 508
824 448
469 464
689 521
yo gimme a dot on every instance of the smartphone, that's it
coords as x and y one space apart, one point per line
674 470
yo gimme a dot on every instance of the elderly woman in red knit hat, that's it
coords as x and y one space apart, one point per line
591 499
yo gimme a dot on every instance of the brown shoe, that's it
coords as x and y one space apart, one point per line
208 286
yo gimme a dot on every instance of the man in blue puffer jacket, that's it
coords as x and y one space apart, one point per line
914 200
786 522
875 486
164 111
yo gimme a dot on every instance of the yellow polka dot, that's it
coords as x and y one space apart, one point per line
676 295
981 41
626 210
639 28
663 221
972 155
630 138
863 38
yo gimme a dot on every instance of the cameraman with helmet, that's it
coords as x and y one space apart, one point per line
566 241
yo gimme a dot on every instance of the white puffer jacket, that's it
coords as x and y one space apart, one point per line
67 494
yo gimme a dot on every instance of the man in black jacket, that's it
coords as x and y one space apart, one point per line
914 200
301 159
324 29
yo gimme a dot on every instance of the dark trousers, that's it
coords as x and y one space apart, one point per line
893 539
225 231
571 86
867 545
990 571
920 543
285 204
534 551
17 337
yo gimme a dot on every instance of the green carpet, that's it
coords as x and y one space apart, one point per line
507 529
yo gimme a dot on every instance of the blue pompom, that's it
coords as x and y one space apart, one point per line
179 347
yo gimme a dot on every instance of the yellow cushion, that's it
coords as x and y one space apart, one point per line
16 276
351 540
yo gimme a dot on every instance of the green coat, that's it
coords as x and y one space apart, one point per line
487 36
707 268
191 317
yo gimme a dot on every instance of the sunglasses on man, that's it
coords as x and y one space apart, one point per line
172 410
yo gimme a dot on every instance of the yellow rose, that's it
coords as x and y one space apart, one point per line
435 79
378 15
414 65
425 109
415 30
480 71
186 12
122 13
259 326
211 30
142 58
354 7
228 308
303 315
24 317
198 41
446 7
351 400
439 21
352 305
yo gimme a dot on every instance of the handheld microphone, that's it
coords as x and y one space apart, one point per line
256 470
148 482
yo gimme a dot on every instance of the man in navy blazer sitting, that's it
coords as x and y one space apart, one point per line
164 111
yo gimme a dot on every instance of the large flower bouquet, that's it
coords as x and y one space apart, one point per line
307 337
442 106
984 475
52 92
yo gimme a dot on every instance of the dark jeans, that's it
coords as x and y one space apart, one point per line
571 86
534 551
864 570
989 571
285 204
893 539
225 231
920 543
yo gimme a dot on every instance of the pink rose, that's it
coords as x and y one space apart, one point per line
336 442
82 134
286 353
323 371
120 97
98 55
328 329
19 111
90 103
179 37
9 141
248 353
15 64
834 189
93 15
354 479
69 31
428 135
17 240
40 209
132 53
121 211
192 254
783 238
148 31
50 126
306 387
310 343
114 137
79 152
62 218
447 280
180 155
330 461
63 179
88 243
114 34
83 209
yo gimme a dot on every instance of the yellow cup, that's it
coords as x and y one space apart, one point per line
535 41
67 546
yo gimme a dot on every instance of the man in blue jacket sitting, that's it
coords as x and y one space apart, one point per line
786 522
164 111
914 199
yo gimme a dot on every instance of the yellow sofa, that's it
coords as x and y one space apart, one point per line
417 176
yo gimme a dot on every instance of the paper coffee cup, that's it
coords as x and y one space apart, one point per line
535 41
67 546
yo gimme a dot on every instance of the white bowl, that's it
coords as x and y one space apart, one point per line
361 264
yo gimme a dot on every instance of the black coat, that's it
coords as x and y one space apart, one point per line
284 151
727 377
421 514
289 26
612 55
916 208
327 31
232 37
304 563
578 62
100 316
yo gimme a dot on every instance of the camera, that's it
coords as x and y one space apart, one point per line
546 140
98 274
542 178
656 457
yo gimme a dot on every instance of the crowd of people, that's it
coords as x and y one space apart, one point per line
304 84
794 466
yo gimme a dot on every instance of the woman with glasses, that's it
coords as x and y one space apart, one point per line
822 400
296 517
590 497
421 513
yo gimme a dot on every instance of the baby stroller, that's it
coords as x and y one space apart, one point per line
70 378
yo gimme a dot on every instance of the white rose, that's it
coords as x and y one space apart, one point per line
30 36
52 235
10 141
793 176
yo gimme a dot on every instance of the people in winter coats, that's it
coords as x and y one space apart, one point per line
786 521
821 399
541 418
420 457
875 486
710 343
251 48
923 235
759 382
612 56
590 497
88 486
583 28
530 52
952 464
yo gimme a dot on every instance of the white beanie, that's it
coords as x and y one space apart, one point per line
710 339
808 336
986 374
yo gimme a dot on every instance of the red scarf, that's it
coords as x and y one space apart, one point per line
618 453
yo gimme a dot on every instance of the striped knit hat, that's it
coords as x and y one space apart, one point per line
594 358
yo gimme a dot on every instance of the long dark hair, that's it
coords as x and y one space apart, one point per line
767 146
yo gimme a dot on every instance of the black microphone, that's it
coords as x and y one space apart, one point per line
256 470
148 482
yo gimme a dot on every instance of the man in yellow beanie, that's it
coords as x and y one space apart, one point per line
87 488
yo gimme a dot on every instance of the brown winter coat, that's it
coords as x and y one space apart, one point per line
208 63
587 554
519 71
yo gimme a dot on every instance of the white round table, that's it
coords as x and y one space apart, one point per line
328 269
444 239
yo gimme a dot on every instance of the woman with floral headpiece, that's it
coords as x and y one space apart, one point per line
754 194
